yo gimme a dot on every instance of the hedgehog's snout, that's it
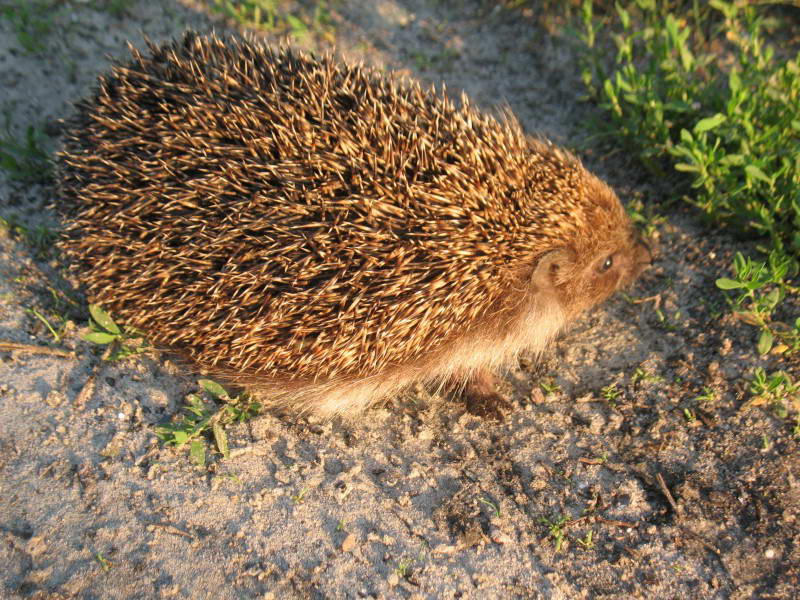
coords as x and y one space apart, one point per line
642 257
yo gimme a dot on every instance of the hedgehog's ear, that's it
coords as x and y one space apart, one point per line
553 268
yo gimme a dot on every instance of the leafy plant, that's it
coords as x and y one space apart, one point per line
644 217
645 376
549 386
256 13
673 97
588 541
666 322
730 118
106 331
707 397
209 416
611 392
403 568
761 286
556 530
776 389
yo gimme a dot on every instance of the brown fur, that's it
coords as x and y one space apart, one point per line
321 232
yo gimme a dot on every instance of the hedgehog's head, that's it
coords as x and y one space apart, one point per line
604 254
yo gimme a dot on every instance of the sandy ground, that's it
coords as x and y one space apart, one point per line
421 500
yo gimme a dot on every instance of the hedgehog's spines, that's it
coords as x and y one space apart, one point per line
304 219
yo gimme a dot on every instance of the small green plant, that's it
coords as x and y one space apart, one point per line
645 376
56 333
588 541
776 389
404 568
690 416
556 530
300 496
117 8
24 160
104 563
32 21
761 286
700 92
707 396
209 416
254 13
666 322
549 386
644 217
40 237
105 331
611 392
494 507
731 127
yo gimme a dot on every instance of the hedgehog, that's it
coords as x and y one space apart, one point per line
325 234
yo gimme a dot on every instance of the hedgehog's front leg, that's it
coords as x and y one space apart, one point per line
481 397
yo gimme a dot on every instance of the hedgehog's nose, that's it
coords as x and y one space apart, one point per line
642 256
644 249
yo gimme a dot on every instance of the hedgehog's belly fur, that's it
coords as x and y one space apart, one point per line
490 347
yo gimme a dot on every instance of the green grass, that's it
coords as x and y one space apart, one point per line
31 20
55 329
24 158
40 237
118 8
272 16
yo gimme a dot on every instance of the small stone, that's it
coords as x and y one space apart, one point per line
54 398
349 543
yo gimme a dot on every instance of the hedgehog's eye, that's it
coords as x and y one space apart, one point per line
607 264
